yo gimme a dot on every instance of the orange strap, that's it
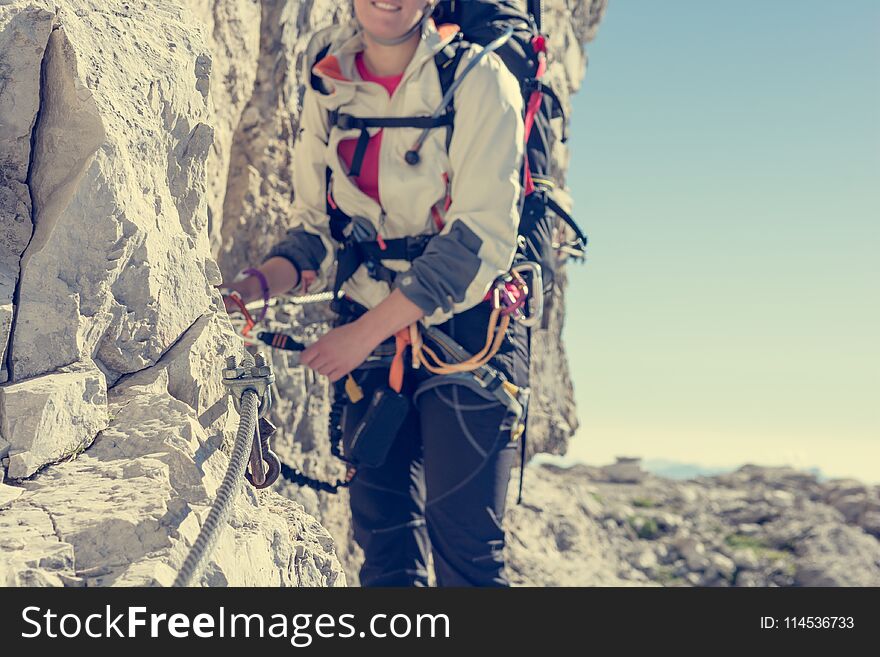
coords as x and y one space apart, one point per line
395 375
424 356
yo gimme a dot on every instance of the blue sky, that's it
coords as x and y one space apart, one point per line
726 166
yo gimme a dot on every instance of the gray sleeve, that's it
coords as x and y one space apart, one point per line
305 251
441 276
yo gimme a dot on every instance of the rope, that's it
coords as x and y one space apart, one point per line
207 539
479 359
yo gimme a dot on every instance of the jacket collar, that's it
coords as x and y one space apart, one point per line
338 65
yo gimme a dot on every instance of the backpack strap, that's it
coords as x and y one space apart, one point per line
536 11
560 212
447 61
556 108
338 219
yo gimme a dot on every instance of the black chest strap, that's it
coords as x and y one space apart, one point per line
348 122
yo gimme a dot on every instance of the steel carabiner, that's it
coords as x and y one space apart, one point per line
260 476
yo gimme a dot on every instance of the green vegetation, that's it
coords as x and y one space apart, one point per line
762 550
666 576
645 527
745 541
80 449
644 502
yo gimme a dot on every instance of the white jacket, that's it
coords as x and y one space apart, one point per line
483 164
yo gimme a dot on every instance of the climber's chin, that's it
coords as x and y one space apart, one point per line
389 19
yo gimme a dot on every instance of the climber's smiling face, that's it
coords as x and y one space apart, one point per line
389 19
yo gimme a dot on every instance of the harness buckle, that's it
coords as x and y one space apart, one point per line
345 121
415 246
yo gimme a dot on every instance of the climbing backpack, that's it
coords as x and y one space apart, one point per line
524 53
503 27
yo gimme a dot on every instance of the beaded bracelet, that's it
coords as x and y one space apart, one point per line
264 288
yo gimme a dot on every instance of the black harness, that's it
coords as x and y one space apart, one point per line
354 249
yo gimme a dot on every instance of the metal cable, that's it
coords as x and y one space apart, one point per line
207 539
301 300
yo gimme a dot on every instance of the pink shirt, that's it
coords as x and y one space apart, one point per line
368 181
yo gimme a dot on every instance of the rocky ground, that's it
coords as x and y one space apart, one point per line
619 525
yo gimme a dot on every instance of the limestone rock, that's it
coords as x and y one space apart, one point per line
687 494
552 542
7 290
870 521
32 553
131 120
722 564
694 553
626 470
24 31
232 31
191 370
745 559
9 494
125 512
647 560
838 555
116 269
48 418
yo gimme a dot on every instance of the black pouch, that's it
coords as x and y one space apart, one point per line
377 430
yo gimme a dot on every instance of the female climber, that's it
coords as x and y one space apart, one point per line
421 222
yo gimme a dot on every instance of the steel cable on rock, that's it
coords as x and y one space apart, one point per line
300 300
229 488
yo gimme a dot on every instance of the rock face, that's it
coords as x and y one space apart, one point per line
124 512
116 133
753 527
232 32
117 178
24 31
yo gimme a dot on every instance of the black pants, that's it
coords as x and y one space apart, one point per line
443 485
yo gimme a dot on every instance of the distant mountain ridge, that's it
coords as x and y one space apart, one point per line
681 470
678 470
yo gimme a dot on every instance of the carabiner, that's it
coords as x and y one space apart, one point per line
536 291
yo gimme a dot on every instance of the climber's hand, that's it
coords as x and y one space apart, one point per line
340 351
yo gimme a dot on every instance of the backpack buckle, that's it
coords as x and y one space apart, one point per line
345 121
